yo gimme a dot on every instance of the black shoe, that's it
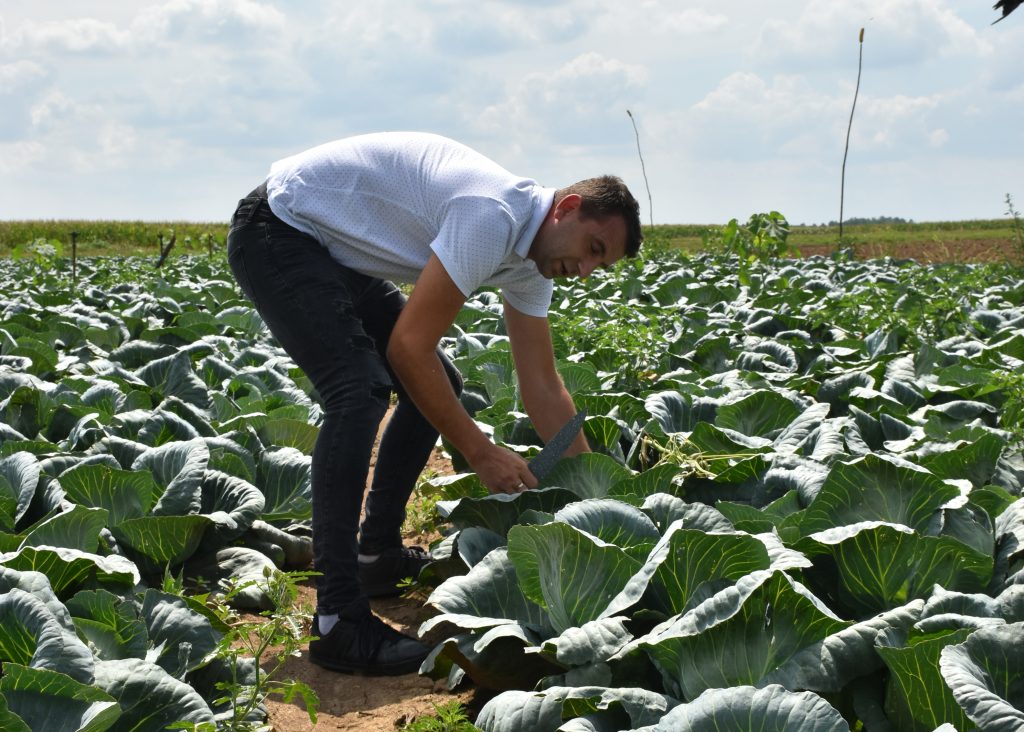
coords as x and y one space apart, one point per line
380 577
366 646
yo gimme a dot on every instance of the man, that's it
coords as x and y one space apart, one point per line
317 247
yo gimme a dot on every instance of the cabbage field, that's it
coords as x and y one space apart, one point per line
802 511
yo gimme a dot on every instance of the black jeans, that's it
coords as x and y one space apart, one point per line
335 324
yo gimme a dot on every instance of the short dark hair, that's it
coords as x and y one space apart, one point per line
607 195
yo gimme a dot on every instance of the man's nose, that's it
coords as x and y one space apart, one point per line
587 266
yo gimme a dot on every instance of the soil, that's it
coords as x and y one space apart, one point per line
385 704
927 252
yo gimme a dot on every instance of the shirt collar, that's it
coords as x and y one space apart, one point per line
542 200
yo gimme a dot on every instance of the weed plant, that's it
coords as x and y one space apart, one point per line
269 643
1018 229
450 717
420 514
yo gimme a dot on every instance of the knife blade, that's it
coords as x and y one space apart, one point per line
546 459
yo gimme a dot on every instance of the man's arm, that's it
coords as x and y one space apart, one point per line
544 395
432 307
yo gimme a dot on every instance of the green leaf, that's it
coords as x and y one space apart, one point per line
916 697
739 635
604 435
49 700
671 411
745 708
572 575
876 488
9 720
125 494
19 476
180 468
828 666
666 509
662 478
797 431
158 542
231 503
31 634
186 637
544 711
459 552
874 566
501 511
69 569
761 414
284 477
497 659
974 461
77 528
149 697
110 624
244 568
289 433
488 595
588 475
612 521
685 562
984 673
593 642
173 376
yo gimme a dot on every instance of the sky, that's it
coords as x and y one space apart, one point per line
164 111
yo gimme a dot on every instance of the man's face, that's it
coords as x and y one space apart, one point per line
573 246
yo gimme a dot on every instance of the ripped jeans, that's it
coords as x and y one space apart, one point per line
335 324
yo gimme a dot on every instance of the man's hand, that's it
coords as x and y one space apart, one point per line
544 396
431 309
502 471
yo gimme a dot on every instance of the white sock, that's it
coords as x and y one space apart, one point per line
326 622
368 558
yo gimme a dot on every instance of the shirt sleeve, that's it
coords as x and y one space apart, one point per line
530 296
475 238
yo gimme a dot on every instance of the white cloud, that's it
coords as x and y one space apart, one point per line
897 32
938 138
116 139
571 103
170 21
74 35
54 109
18 156
745 116
19 74
688 21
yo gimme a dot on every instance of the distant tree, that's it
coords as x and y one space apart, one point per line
875 220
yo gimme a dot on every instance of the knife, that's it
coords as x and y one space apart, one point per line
547 458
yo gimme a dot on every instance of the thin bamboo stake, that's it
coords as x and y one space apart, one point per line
842 179
650 204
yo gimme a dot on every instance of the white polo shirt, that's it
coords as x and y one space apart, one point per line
381 203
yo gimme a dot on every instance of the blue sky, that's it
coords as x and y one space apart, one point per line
122 109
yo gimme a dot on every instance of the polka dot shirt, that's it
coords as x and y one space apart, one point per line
382 203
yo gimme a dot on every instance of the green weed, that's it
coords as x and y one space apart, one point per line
421 513
763 238
1018 229
450 717
1012 386
269 642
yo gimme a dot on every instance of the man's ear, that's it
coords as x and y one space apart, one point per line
567 204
